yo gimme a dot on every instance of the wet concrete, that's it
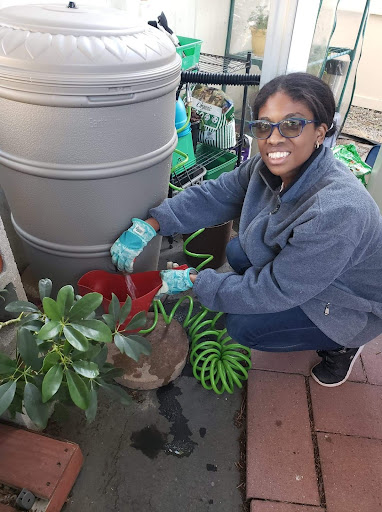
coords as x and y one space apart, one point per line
172 449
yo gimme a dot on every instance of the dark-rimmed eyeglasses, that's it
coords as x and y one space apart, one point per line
288 128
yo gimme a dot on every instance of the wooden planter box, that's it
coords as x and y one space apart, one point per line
47 467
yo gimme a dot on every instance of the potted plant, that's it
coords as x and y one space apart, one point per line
258 21
61 353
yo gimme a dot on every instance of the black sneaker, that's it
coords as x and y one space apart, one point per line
335 367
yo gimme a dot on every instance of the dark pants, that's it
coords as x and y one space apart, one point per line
285 331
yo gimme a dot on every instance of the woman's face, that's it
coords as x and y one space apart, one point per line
284 156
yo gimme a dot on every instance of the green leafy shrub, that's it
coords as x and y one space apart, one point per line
62 351
259 17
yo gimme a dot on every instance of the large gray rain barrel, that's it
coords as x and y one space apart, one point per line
87 108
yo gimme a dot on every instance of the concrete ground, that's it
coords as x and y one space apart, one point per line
173 449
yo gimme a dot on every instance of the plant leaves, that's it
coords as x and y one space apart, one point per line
44 346
100 359
50 360
114 307
133 345
109 321
65 299
30 317
51 309
16 405
116 392
81 309
7 393
90 354
137 322
86 369
52 382
7 365
44 288
94 329
91 411
33 325
49 330
76 338
112 373
67 348
28 349
20 306
38 412
125 310
78 390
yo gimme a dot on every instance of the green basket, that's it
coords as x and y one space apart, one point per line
215 160
189 51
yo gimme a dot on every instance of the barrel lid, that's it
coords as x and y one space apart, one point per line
70 18
71 44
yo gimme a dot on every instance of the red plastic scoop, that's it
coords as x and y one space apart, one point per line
146 286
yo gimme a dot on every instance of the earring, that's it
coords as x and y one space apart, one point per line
317 144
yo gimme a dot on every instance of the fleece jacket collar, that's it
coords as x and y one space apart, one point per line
303 181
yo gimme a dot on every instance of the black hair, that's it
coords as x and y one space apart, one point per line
308 89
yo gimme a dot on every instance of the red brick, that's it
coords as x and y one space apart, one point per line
352 473
297 362
280 459
271 506
372 361
7 508
46 466
351 409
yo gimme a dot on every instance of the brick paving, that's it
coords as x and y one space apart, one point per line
311 448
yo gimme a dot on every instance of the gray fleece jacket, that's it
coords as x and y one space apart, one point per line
317 245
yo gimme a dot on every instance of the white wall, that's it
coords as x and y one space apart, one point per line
201 19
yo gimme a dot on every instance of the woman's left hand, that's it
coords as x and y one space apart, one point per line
176 281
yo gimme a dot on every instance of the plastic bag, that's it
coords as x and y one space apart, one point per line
347 153
216 110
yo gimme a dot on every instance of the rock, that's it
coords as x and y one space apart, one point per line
165 363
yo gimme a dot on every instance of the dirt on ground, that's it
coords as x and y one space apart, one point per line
365 123
8 495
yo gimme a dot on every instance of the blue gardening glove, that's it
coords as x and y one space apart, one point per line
175 281
130 244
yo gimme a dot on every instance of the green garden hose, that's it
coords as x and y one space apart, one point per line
178 166
218 364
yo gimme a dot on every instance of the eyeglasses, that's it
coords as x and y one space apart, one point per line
288 128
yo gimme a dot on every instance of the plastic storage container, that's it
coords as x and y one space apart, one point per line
87 103
215 160
213 241
185 143
189 51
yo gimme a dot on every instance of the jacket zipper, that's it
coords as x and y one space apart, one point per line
277 207
326 311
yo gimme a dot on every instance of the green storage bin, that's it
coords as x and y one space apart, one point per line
184 145
189 51
215 160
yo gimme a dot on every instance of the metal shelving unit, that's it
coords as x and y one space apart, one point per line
219 70
210 63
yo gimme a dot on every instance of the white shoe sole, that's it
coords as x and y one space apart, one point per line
346 376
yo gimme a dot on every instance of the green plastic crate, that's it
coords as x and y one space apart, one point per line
215 160
189 51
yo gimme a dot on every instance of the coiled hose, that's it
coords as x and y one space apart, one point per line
218 364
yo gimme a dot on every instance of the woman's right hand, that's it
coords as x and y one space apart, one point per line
132 242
